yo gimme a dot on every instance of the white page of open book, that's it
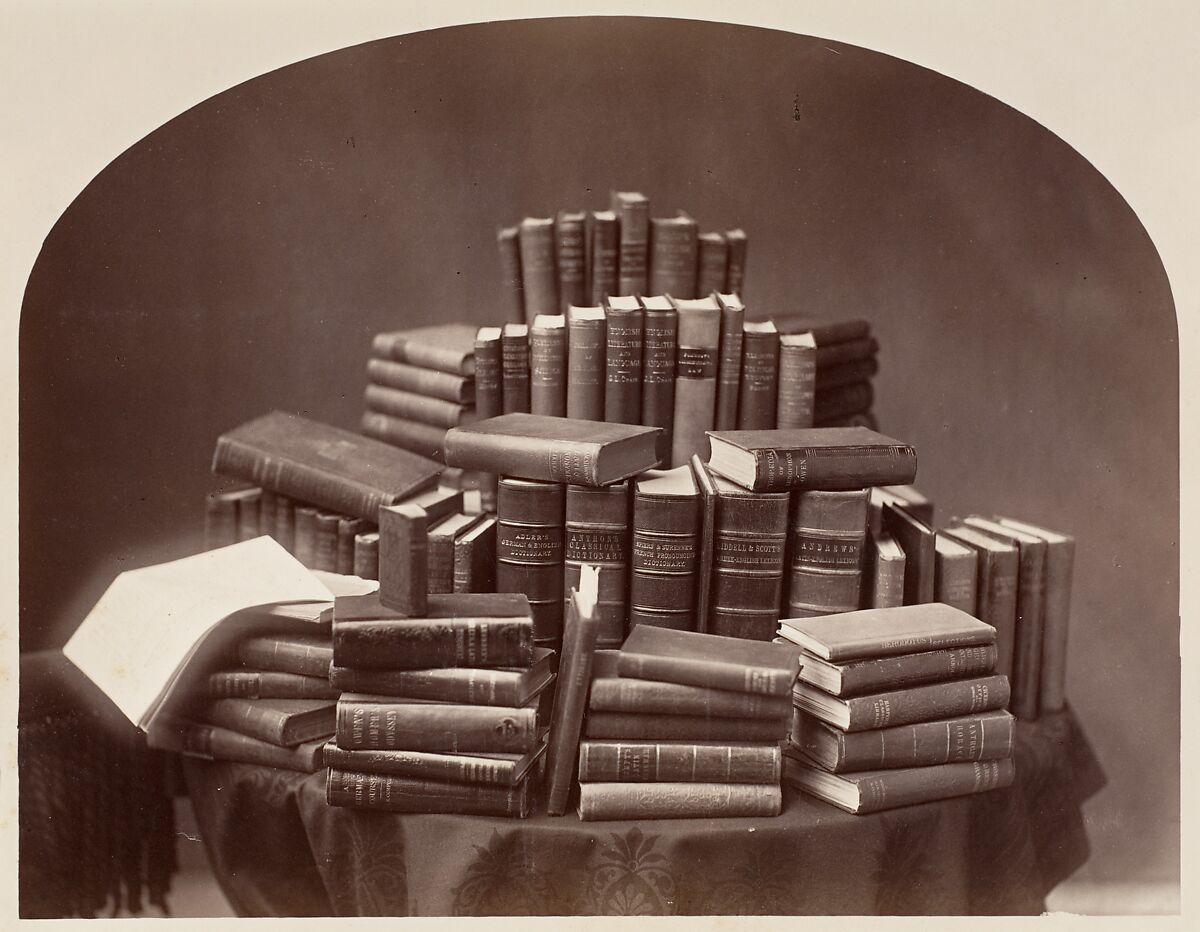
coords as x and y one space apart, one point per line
136 639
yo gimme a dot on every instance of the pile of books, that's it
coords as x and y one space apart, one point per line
846 360
583 257
897 706
685 725
442 711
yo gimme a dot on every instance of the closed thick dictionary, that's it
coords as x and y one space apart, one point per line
699 338
548 365
623 360
632 210
586 363
604 761
529 550
605 240
903 706
827 547
326 466
660 336
553 449
597 535
667 517
539 276
444 347
884 632
735 277
708 660
673 255
760 376
995 589
819 458
570 256
877 674
712 263
606 801
797 381
428 382
729 366
510 274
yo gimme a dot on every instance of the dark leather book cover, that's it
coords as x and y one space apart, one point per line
884 572
1056 611
248 508
305 538
633 220
539 277
624 327
569 255
760 376
529 549
729 366
956 570
824 332
904 706
366 555
661 335
917 540
322 465
857 370
444 347
511 279
835 354
735 277
403 558
818 458
282 722
586 363
553 449
475 558
605 241
366 722
421 439
696 364
878 674
623 694
712 264
489 379
607 801
995 588
216 743
673 256
597 534
285 522
440 544
514 367
667 515
708 660
548 365
481 768
434 411
220 520
827 545
603 761
794 405
325 541
638 726
708 529
430 383
347 529
268 684
843 401
387 793
303 654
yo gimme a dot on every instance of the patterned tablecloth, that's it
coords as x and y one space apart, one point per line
278 849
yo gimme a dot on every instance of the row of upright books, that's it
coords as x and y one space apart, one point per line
585 257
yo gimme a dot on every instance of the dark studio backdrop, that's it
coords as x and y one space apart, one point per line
239 259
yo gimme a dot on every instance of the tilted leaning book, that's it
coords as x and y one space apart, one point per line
407 794
917 540
216 743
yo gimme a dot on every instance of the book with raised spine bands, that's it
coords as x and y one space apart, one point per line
529 549
632 210
457 629
511 279
665 549
215 743
857 370
624 334
413 436
489 384
548 365
285 522
696 659
987 736
673 249
660 336
956 569
347 530
844 401
404 794
653 727
712 263
749 548
832 458
539 277
735 276
995 588
1056 612
903 706
268 684
758 397
305 537
433 411
303 654
729 366
600 802
440 542
475 558
469 767
325 466
884 572
876 790
282 722
597 534
366 555
503 686
248 501
797 381
602 761
605 242
514 350
877 674
325 541
366 722
611 692
444 347
699 338
586 363
569 256
827 546
886 632
430 383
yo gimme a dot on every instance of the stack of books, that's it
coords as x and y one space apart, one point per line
685 725
846 361
582 257
897 706
446 712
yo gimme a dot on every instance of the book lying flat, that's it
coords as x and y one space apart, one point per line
904 706
466 767
407 794
884 632
444 347
269 684
215 743
709 660
875 674
297 654
285 722
609 761
606 801
636 726
504 686
393 723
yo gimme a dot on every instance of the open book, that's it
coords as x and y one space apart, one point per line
155 626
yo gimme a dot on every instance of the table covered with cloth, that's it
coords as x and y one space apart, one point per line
278 849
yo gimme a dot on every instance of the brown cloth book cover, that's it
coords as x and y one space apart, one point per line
710 660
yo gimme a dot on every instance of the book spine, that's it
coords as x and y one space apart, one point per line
824 332
511 279
666 549
475 561
997 590
423 765
954 580
471 686
305 540
749 543
735 278
623 366
1060 560
673 249
859 648
760 381
607 801
548 371
402 404
848 351
428 726
887 582
919 784
404 559
843 401
366 555
857 370
922 744
729 371
285 657
247 514
677 761
913 669
440 565
223 744
428 383
586 369
1027 660
828 537
569 461
622 694
702 672
605 239
833 468
255 720
922 703
257 684
797 386
401 794
695 383
421 643
514 348
712 264
648 727
569 259
489 397
414 436
634 246
325 541
529 549
220 521
347 530
597 534
658 376
539 278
